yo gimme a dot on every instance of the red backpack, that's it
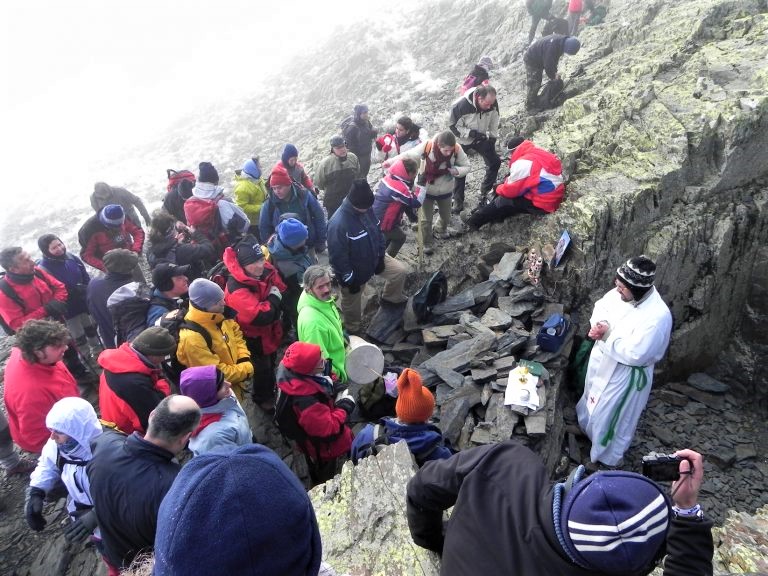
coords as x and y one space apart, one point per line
177 176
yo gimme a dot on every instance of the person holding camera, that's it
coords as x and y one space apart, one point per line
174 242
609 523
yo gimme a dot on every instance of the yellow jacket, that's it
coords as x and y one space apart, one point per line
250 195
228 352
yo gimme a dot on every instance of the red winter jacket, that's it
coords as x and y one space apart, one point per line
129 236
129 389
534 174
31 390
34 295
258 313
323 422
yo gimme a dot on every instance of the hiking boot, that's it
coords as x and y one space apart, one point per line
441 235
22 468
428 250
457 208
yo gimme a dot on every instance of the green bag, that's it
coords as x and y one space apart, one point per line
577 369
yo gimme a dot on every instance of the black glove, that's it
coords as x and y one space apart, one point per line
353 288
55 308
492 142
78 531
33 508
473 134
345 402
379 267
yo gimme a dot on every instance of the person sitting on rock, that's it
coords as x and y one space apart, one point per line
534 185
287 197
543 56
250 192
335 174
444 161
319 321
70 271
414 408
356 250
224 425
73 425
263 518
131 385
319 411
254 288
396 195
227 351
406 135
108 230
290 255
35 379
610 523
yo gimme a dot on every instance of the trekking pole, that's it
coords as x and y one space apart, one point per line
420 244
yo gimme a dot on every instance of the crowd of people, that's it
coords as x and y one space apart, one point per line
239 309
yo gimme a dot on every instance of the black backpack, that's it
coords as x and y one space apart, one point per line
8 290
128 306
173 368
286 420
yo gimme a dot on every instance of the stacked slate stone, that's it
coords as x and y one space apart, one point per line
468 347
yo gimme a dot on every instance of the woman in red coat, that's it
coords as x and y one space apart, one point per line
255 290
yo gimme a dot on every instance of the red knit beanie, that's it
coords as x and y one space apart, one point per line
302 357
415 403
279 176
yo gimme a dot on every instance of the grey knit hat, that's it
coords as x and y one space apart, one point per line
205 294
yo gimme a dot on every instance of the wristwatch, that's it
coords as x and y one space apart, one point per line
694 514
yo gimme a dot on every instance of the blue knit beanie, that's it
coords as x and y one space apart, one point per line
243 512
112 215
615 522
292 232
289 151
571 45
252 168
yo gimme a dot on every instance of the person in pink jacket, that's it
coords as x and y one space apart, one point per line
534 185
575 8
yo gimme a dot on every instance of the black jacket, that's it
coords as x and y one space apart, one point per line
359 136
199 254
355 244
99 291
129 478
545 53
502 502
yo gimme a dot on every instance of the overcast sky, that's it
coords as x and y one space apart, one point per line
83 79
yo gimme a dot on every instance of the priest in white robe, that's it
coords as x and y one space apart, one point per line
631 326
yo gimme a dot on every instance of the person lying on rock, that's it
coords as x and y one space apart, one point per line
508 519
534 185
414 408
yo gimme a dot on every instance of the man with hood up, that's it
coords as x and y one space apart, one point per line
74 425
360 134
104 194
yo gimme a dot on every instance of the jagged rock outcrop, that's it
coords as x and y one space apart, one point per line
742 543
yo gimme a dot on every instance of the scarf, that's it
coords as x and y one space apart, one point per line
437 167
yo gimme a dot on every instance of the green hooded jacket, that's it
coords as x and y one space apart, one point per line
320 323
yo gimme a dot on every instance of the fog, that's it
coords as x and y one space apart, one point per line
86 80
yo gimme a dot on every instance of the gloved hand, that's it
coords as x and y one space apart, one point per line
55 308
321 247
275 291
345 401
473 134
79 531
420 192
492 142
33 508
380 265
481 137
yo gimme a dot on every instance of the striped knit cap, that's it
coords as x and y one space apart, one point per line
615 522
639 271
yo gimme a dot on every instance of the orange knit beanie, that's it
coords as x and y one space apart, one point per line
415 403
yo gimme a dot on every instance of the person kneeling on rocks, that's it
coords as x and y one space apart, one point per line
356 249
534 185
610 523
414 408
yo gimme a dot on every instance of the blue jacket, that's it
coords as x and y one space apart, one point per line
227 430
160 305
290 263
302 203
425 441
71 272
355 244
99 291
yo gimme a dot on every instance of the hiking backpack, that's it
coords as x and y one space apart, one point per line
128 306
11 294
285 418
371 439
176 177
346 125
